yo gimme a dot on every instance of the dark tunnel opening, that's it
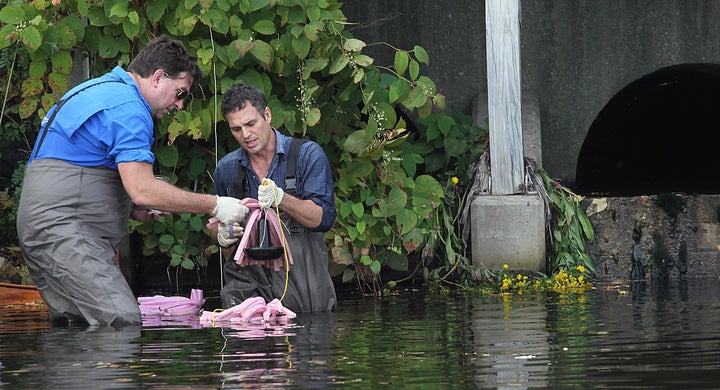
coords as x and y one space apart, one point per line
659 134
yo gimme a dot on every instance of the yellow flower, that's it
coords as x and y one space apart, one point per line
580 268
454 180
505 266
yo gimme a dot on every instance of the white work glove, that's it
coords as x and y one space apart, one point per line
228 210
269 195
228 234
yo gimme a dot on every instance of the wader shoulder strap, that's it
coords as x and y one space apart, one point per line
291 167
240 184
59 106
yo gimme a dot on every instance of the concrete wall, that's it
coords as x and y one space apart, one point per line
576 54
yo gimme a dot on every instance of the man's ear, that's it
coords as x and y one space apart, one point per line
156 76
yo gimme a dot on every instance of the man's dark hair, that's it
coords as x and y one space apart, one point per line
238 95
165 53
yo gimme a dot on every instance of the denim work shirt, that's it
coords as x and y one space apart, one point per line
313 181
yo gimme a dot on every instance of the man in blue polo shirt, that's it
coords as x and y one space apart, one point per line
90 170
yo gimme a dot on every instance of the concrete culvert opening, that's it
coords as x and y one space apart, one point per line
659 134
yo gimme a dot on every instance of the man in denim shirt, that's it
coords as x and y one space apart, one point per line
307 215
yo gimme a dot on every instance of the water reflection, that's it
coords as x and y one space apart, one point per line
515 354
640 336
92 357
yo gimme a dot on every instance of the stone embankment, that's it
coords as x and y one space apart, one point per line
657 236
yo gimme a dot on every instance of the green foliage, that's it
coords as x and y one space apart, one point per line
569 229
320 85
14 131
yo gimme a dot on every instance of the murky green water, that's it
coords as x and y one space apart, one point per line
637 337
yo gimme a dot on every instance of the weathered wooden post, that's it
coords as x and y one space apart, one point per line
506 228
502 18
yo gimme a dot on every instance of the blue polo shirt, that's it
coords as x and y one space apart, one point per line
102 125
314 179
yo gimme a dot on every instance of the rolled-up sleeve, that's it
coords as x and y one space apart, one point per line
316 182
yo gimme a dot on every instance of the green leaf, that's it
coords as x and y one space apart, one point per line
394 202
313 116
37 68
216 20
62 62
188 264
196 223
344 209
313 13
205 55
339 63
421 55
415 98
311 31
119 10
401 61
167 239
358 209
427 189
413 240
27 108
586 225
134 17
243 47
301 47
12 15
76 26
410 162
197 167
175 260
407 219
314 65
31 37
360 168
375 267
265 27
348 275
398 91
445 123
32 86
155 10
414 70
397 261
362 60
449 251
262 52
5 33
131 30
167 155
357 142
366 260
353 44
58 83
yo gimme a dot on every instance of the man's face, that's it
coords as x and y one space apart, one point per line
250 129
170 93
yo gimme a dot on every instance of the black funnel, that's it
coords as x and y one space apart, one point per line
264 251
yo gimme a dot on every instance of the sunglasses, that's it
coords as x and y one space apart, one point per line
182 93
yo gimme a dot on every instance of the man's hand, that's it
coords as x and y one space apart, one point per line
228 234
269 195
143 214
228 210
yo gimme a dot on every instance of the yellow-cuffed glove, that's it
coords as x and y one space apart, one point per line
269 195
